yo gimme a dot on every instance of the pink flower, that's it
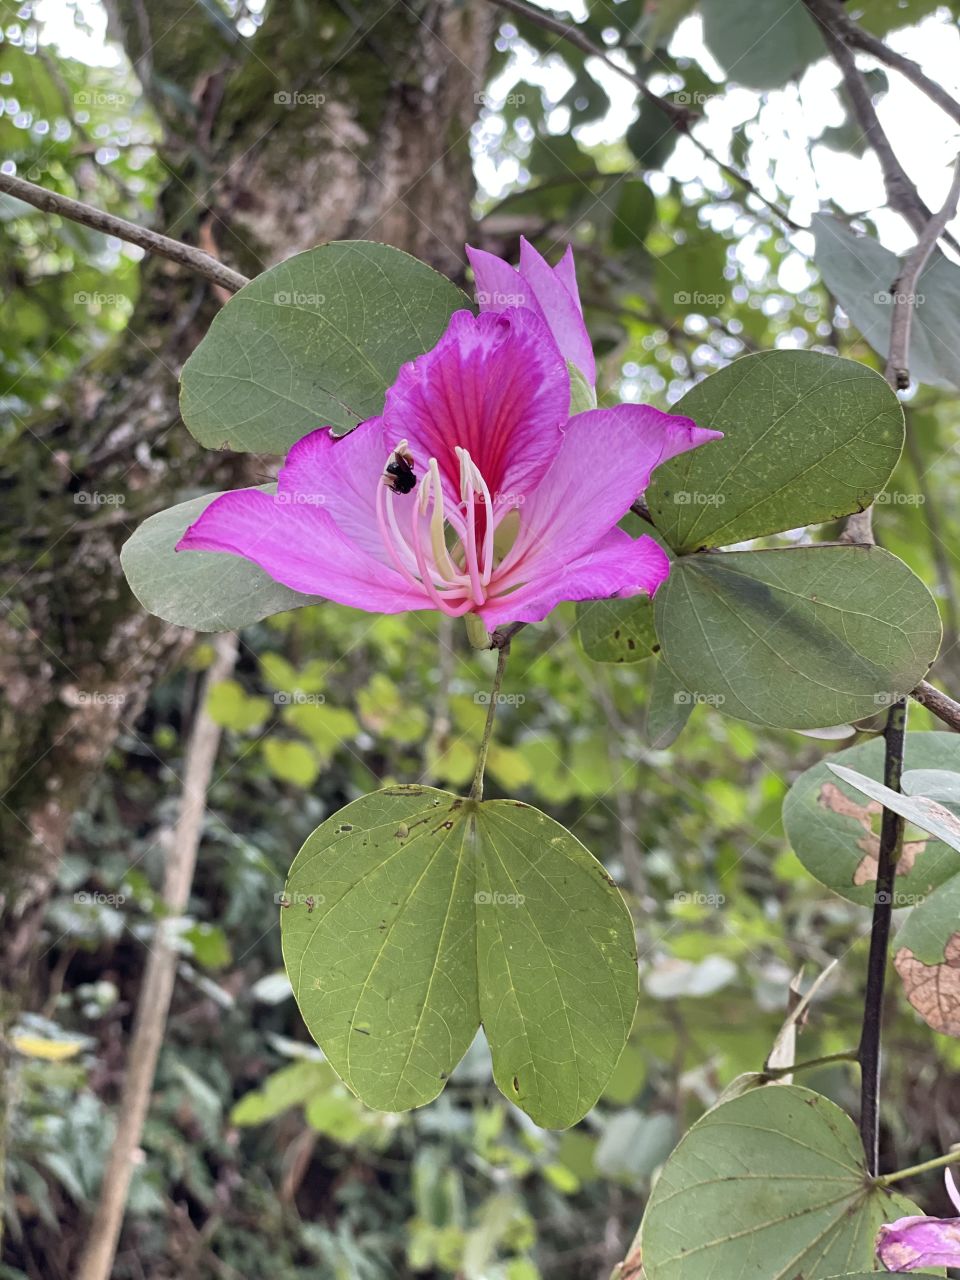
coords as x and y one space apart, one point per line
911 1243
472 493
549 292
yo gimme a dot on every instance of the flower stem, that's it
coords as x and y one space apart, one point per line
845 1055
940 1163
476 791
891 843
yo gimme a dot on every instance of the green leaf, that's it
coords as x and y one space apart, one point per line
315 340
617 630
768 1186
761 43
807 438
668 710
203 590
927 958
799 637
835 832
860 273
414 916
924 813
291 762
689 279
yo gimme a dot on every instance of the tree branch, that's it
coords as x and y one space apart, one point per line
891 843
76 211
905 289
680 117
157 989
937 703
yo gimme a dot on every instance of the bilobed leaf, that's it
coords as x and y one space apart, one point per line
203 590
799 637
835 830
315 340
807 438
415 915
770 1185
617 630
861 274
761 43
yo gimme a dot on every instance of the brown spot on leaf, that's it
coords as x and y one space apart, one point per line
832 798
934 989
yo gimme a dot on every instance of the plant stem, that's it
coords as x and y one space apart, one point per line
891 842
476 791
844 1055
941 1162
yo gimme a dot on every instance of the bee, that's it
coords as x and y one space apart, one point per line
399 474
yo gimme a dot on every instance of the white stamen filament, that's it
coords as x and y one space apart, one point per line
423 559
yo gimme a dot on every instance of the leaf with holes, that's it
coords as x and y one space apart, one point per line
768 1186
807 438
413 916
203 590
799 637
315 340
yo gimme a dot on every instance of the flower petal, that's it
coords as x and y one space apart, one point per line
604 462
495 385
911 1243
618 566
299 545
560 306
340 475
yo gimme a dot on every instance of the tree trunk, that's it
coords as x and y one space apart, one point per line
329 124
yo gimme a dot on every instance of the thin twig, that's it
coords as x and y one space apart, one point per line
902 195
891 843
855 37
157 989
503 635
76 211
476 791
905 289
937 703
680 117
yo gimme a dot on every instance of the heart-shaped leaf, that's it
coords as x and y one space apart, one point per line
414 916
315 340
799 637
768 1186
835 830
203 590
807 438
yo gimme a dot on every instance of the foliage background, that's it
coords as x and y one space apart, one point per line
255 1160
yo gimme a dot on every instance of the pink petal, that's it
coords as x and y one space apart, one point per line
494 384
604 462
617 566
560 307
566 273
340 475
299 545
911 1243
498 285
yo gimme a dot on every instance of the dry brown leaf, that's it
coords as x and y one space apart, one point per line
934 989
